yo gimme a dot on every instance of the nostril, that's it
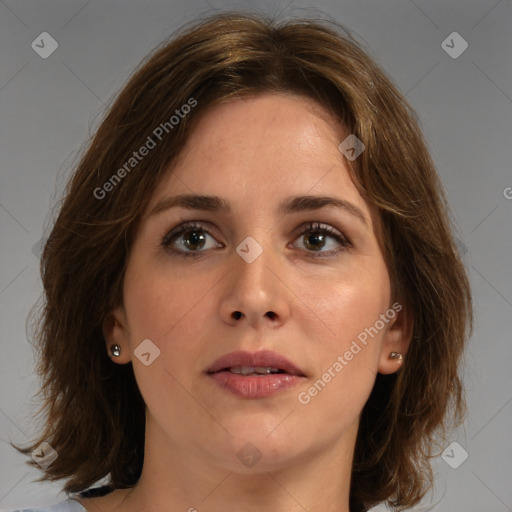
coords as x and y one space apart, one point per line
237 315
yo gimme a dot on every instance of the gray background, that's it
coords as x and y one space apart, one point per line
50 106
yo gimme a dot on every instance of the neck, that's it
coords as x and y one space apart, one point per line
185 478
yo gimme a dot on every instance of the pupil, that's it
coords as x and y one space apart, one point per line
318 237
193 239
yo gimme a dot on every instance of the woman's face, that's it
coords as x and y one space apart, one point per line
258 277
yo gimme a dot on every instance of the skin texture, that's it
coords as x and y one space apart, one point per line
254 153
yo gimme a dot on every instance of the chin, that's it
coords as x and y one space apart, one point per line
256 448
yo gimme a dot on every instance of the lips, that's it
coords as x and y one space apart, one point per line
255 386
264 362
255 375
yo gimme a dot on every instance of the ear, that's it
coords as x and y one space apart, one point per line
115 332
397 339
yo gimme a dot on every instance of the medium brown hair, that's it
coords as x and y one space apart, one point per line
95 414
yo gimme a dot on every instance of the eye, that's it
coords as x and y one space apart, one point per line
190 240
314 236
192 237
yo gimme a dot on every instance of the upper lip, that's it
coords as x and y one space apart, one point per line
263 358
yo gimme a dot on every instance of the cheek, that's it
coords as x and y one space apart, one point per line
161 302
165 309
341 318
172 310
339 308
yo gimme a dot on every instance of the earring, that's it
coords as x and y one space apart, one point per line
115 350
397 356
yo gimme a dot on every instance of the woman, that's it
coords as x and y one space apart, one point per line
253 296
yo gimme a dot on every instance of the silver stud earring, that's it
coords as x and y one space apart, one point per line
397 356
115 350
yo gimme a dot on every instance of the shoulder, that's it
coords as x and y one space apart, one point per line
69 505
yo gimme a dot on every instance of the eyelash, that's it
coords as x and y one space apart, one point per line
310 227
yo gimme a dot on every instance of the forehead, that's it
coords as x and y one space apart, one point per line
264 147
274 128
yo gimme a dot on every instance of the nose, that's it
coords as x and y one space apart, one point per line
255 292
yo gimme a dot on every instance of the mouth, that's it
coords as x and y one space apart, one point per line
245 363
255 375
253 370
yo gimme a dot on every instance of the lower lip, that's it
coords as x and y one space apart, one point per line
255 386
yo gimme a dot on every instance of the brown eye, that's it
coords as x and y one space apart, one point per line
188 239
194 239
315 237
314 241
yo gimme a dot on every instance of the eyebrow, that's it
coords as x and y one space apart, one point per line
290 205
